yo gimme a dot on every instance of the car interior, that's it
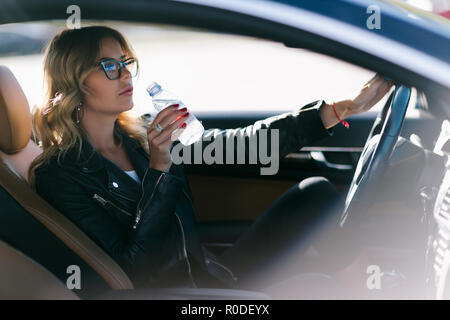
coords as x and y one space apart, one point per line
390 202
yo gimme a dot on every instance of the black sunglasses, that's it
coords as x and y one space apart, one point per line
113 67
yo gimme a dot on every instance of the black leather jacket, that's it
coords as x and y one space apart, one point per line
149 228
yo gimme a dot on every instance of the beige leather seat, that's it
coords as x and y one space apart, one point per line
22 278
17 150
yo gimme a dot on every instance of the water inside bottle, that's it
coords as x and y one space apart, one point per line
160 104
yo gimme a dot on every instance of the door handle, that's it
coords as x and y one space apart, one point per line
320 157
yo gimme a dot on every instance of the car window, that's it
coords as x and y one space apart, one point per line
208 71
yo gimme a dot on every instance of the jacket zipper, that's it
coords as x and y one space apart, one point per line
190 200
221 265
104 202
184 250
138 215
121 195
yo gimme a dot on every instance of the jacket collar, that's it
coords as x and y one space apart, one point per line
91 161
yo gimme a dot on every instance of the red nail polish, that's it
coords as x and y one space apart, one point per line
183 125
186 114
175 105
184 109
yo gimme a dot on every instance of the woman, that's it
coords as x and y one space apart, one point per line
113 176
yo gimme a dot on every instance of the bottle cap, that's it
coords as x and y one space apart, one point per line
153 89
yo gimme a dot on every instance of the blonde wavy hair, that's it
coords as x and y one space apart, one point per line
69 58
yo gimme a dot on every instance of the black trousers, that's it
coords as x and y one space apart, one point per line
274 248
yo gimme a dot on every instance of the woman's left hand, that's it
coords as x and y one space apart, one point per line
372 92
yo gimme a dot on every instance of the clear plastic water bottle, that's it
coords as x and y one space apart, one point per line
162 99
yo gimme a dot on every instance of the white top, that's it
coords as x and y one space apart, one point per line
133 175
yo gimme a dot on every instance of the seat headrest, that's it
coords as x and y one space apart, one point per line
15 116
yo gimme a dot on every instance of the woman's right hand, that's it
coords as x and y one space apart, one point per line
159 143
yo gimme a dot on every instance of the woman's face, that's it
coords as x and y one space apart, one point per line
106 96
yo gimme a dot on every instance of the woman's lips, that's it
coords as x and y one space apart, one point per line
127 92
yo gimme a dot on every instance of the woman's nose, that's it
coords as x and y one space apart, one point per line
125 73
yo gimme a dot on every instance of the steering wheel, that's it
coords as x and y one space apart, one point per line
376 153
